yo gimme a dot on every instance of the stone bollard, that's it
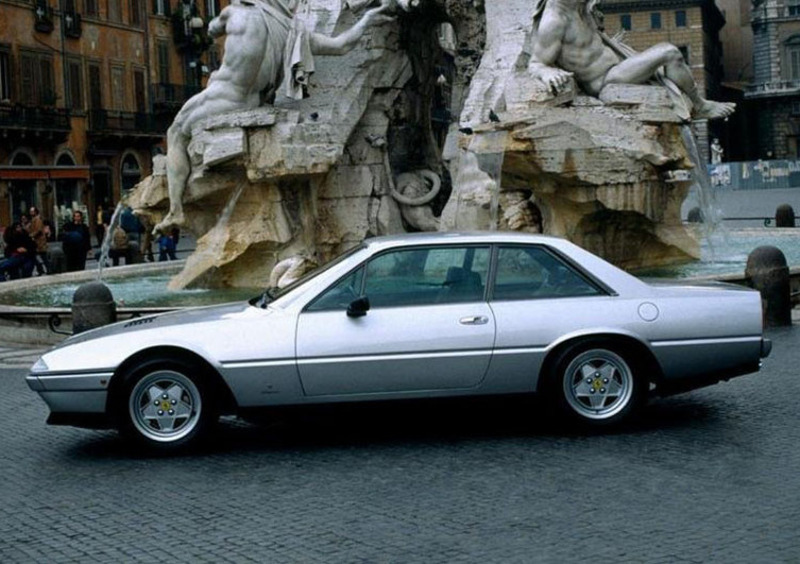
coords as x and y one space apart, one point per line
768 273
55 259
92 306
784 216
695 215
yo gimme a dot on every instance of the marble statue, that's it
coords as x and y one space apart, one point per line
716 152
567 43
260 43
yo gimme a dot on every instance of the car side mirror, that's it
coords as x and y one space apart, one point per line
358 307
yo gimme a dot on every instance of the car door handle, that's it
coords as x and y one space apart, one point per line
474 320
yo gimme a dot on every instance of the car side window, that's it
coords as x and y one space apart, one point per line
427 276
341 294
530 272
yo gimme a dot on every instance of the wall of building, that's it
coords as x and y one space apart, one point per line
106 83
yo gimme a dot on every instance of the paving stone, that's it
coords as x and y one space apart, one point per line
708 476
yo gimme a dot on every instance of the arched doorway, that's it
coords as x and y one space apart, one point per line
21 193
67 193
131 172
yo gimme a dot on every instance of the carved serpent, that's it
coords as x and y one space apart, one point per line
408 179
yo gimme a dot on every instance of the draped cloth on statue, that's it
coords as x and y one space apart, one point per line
289 49
298 61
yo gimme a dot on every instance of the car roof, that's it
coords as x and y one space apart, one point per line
456 237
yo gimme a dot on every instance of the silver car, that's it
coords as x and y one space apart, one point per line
413 316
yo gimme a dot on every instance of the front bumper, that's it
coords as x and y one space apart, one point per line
72 393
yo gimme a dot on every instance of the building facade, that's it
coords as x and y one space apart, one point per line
87 91
776 77
691 25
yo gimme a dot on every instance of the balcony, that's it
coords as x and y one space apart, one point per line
19 122
111 123
771 12
773 89
170 97
43 16
72 25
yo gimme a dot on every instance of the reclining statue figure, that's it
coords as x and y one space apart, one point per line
263 42
568 43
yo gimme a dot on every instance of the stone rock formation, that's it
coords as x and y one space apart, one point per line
442 90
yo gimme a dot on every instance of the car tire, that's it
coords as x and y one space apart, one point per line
596 385
166 406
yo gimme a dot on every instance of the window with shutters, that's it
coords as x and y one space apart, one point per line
655 20
212 8
6 93
95 88
114 11
118 87
136 13
162 50
161 7
37 84
138 91
74 74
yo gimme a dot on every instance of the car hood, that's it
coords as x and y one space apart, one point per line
177 317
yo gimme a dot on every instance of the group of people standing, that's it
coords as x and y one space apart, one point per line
25 246
26 243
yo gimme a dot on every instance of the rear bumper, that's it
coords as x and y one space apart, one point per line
766 348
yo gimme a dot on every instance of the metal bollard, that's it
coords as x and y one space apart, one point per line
768 273
92 306
784 216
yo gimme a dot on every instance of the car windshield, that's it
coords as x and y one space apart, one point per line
271 294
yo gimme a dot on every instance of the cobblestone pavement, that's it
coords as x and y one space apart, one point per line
709 476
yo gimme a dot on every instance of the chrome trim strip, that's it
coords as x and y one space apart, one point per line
715 340
520 350
400 356
51 376
257 363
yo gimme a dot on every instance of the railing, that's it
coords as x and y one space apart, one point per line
72 24
773 12
130 123
173 95
37 118
55 316
782 87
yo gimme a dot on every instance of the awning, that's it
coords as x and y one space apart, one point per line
77 172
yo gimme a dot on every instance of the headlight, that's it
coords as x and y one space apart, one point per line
40 366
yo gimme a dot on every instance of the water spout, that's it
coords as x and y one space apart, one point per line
701 187
479 174
106 243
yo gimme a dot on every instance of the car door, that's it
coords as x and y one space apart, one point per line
537 297
428 328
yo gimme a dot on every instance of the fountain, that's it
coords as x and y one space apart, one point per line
303 180
411 133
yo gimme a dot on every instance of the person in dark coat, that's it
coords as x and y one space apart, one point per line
76 241
20 253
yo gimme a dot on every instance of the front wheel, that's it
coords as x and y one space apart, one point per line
167 407
597 386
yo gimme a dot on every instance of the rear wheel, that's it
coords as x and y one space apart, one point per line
597 385
167 406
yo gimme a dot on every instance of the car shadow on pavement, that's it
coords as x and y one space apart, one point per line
427 423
